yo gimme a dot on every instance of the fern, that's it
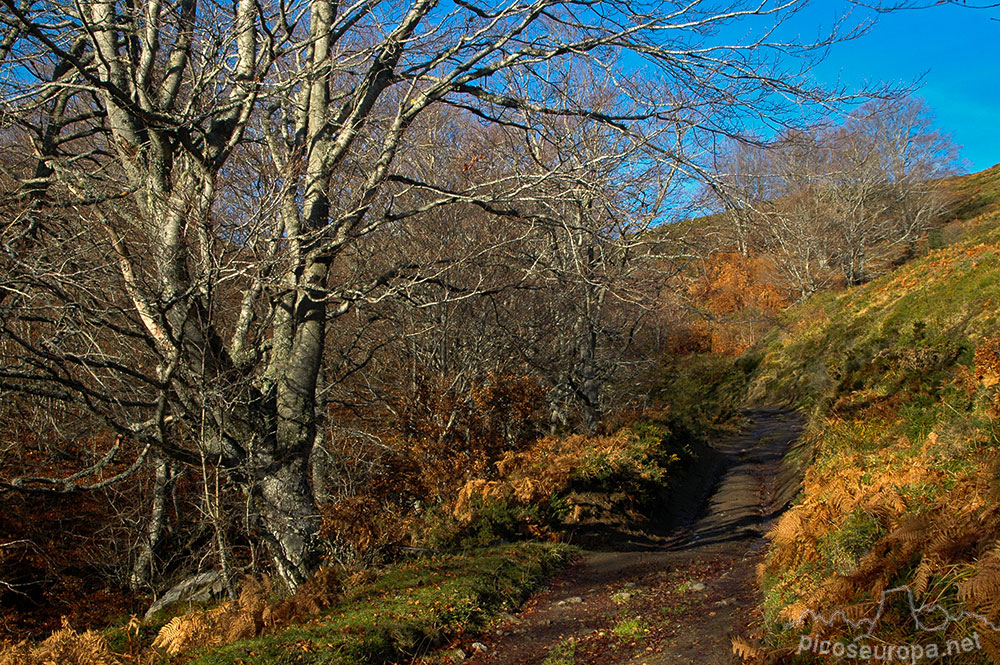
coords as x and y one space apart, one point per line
63 647
746 650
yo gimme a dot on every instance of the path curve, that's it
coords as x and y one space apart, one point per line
679 603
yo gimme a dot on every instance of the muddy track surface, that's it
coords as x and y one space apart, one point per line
680 601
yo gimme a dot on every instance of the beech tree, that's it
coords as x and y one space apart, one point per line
188 183
884 189
840 202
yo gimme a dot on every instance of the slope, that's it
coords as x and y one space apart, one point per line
901 474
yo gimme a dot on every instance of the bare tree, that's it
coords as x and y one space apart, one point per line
844 201
594 260
196 179
885 190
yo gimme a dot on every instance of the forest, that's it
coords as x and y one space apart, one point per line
300 297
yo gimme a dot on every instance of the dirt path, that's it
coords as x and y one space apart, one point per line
678 603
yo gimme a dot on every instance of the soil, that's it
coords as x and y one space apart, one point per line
677 598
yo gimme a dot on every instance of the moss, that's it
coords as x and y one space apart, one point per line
563 653
408 610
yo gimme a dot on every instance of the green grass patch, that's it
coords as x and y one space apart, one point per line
410 609
630 629
844 547
656 453
563 653
705 391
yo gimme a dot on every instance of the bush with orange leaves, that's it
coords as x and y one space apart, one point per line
533 484
452 436
249 615
362 526
739 293
444 434
472 468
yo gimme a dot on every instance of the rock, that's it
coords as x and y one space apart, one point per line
622 597
479 647
572 600
696 586
198 588
456 655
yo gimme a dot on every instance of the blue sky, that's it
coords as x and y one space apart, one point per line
954 50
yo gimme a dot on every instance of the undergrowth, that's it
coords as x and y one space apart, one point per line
534 492
410 609
397 614
705 391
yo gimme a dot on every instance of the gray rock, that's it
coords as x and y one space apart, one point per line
572 600
479 647
696 586
199 588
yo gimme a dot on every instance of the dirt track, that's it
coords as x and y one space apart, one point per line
680 601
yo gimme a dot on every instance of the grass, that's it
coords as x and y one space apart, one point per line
705 391
410 609
630 629
563 653
844 547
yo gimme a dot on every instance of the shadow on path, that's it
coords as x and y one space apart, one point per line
675 599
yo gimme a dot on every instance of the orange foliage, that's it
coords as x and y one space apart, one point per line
949 535
365 522
443 439
987 368
687 337
63 647
738 292
540 471
452 437
733 283
250 615
987 361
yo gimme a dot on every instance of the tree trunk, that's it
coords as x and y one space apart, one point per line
143 569
287 517
589 382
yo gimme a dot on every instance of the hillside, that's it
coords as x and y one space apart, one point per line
899 378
